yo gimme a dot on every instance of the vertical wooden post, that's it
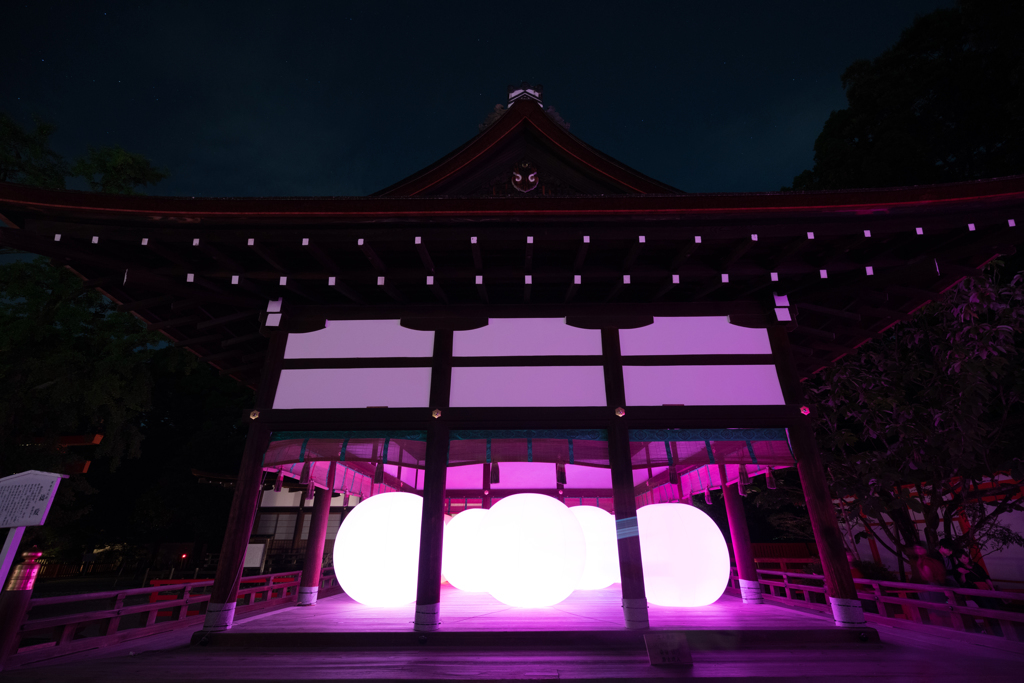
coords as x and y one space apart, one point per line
428 581
839 586
485 502
220 611
631 568
309 585
750 589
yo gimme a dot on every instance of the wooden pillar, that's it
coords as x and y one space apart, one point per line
220 611
485 502
842 592
309 585
750 589
428 581
631 568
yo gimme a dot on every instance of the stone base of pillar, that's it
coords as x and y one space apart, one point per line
635 611
308 595
750 591
219 616
428 617
847 611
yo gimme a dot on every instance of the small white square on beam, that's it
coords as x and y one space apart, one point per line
331 281
775 277
380 280
430 279
305 241
274 320
753 238
95 239
696 238
781 300
417 240
625 279
1012 223
234 279
867 233
479 279
970 227
643 239
191 277
810 235
577 280
529 240
529 279
920 231
869 270
274 306
56 238
725 277
250 242
823 273
145 241
675 279
782 315
586 239
195 242
283 280
472 240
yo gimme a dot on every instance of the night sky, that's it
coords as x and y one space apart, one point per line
274 99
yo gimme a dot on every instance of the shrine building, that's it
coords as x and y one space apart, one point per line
525 315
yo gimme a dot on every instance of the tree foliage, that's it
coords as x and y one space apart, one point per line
944 104
26 157
929 419
112 169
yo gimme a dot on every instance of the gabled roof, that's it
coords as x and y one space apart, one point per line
526 140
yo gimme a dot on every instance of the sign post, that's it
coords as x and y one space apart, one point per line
25 500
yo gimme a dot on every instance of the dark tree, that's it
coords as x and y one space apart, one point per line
944 104
112 169
26 157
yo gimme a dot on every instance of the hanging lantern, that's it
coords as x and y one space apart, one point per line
304 476
673 475
707 496
279 483
495 474
770 479
310 490
560 475
744 477
378 474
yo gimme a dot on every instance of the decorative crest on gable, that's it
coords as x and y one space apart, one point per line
525 91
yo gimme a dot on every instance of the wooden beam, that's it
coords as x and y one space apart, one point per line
219 256
825 310
267 257
371 256
145 304
167 324
577 280
240 340
813 332
421 248
224 320
478 261
633 253
481 290
197 341
528 263
581 254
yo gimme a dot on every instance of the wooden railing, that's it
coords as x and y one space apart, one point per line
52 627
908 603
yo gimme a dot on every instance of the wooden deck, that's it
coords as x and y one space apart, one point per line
483 640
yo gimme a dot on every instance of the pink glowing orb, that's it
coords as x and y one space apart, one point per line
536 550
602 566
376 552
686 561
462 563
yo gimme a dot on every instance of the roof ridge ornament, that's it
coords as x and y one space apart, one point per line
524 91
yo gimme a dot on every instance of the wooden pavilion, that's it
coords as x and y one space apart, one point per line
525 300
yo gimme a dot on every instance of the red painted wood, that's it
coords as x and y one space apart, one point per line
738 532
311 569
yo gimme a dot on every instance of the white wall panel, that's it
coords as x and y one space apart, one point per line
361 339
353 388
692 335
527 337
531 386
583 477
702 385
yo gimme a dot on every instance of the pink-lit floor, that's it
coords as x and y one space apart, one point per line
582 611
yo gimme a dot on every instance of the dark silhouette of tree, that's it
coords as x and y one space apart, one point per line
112 169
944 104
26 157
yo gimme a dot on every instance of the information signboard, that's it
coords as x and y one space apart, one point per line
26 497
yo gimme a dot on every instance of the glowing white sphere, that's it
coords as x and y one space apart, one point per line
602 566
463 561
686 561
536 550
447 518
376 552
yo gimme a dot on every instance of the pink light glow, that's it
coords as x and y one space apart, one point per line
536 550
702 385
686 561
532 386
463 563
376 551
602 565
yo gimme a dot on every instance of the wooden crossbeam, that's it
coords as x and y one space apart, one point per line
371 256
814 332
197 341
145 304
577 280
825 310
167 324
219 256
633 253
421 249
224 320
481 290
478 260
167 254
240 340
581 254
267 257
528 263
